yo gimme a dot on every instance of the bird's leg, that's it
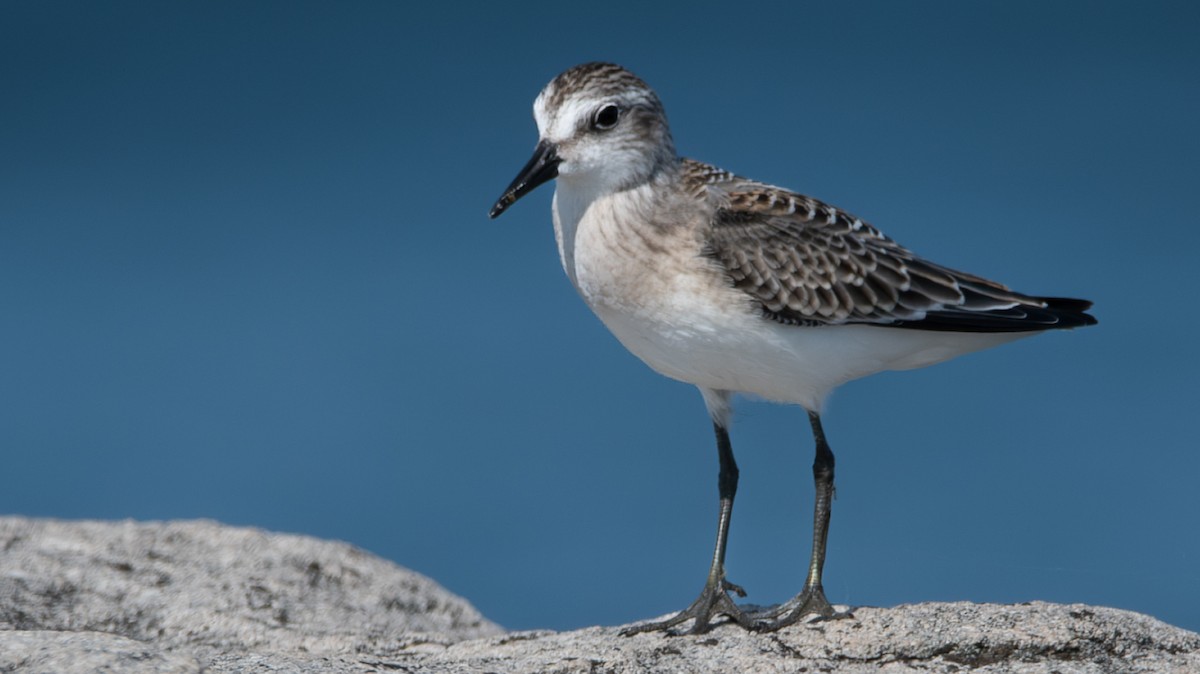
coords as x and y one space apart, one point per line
811 600
714 599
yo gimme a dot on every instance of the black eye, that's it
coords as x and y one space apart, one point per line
606 117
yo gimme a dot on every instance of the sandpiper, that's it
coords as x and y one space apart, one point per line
737 286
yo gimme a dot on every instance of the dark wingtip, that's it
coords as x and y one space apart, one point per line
1058 313
1070 311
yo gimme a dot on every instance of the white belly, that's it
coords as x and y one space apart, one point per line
784 363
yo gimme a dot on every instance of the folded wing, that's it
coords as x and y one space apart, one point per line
808 263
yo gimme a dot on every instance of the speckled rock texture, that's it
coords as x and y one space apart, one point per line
202 597
960 637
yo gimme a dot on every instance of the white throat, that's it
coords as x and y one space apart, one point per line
572 199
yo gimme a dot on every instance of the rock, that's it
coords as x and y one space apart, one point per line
46 651
957 637
128 597
208 589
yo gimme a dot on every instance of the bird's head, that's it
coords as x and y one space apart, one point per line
600 128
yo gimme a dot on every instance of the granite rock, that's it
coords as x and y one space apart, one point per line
1034 638
206 588
140 597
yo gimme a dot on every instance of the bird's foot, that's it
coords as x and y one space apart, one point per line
810 602
714 600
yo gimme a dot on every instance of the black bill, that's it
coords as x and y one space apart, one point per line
542 166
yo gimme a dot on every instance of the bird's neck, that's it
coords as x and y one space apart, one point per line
575 197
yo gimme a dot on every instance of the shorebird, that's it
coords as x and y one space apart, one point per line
737 286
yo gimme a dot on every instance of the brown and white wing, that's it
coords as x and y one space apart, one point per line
808 263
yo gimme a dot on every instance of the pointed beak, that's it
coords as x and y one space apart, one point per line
542 166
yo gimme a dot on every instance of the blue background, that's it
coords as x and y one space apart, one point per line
246 274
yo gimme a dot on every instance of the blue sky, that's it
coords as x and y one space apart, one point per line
246 274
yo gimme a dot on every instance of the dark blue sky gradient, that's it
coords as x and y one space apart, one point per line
246 274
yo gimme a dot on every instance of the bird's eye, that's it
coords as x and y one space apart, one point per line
606 117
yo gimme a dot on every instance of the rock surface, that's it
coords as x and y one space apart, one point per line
198 596
203 589
49 651
1028 638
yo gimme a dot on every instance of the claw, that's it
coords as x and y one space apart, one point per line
730 587
810 602
714 600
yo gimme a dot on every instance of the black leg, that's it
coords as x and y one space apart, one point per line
823 464
714 599
811 600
